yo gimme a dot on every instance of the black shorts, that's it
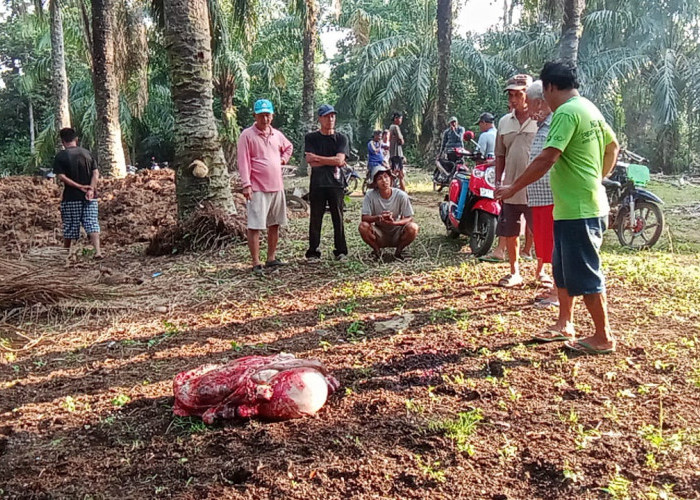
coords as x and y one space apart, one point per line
510 220
396 162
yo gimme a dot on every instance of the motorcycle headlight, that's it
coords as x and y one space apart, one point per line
491 176
479 174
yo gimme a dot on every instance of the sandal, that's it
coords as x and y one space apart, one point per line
510 280
491 258
274 263
528 257
545 280
586 348
547 302
552 336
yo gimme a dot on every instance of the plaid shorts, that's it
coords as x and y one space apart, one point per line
75 213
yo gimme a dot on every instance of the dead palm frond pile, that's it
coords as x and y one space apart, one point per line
24 284
207 229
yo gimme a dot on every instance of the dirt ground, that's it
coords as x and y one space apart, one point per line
460 404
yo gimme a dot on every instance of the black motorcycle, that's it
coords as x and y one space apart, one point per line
635 212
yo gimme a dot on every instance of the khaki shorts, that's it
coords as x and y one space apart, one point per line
388 236
267 209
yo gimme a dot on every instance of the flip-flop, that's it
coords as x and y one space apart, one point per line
552 336
491 258
548 302
586 348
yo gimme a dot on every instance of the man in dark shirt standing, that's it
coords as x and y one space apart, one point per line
77 169
325 152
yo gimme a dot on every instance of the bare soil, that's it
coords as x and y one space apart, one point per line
86 411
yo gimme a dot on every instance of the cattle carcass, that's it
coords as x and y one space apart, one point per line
276 387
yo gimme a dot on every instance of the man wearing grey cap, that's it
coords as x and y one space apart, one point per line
487 137
325 152
515 134
387 216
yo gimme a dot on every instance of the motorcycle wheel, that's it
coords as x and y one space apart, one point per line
297 204
352 186
647 227
481 238
365 187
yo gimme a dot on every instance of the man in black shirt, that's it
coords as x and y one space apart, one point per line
77 169
325 152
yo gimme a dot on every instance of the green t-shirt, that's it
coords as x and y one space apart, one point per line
579 131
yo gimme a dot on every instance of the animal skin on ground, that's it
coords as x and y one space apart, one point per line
276 387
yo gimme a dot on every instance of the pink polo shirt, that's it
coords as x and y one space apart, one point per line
260 159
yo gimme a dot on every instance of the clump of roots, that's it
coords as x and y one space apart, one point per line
208 228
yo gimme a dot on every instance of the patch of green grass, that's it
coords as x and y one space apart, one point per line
189 425
461 429
431 469
618 486
356 330
120 400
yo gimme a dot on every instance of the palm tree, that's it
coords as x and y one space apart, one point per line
188 41
396 70
110 152
234 28
571 30
59 78
311 12
308 11
444 44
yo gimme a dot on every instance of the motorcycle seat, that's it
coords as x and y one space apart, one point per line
608 183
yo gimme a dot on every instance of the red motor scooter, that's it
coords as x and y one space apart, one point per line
470 207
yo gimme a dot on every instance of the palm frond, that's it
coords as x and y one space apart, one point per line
664 83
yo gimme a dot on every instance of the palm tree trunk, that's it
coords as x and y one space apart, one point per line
32 134
309 87
571 30
444 40
188 41
59 79
110 151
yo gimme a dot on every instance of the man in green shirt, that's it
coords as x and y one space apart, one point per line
580 149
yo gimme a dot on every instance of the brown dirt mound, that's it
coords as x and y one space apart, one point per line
132 210
206 229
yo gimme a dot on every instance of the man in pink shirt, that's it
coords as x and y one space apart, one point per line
262 150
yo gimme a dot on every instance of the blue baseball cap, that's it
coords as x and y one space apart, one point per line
326 109
263 106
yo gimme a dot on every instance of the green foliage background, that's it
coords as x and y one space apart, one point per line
639 61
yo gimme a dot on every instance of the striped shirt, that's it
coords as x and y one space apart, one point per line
539 193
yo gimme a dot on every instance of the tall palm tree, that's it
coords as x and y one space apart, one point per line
59 78
308 11
188 40
110 152
571 30
396 70
234 29
308 93
444 45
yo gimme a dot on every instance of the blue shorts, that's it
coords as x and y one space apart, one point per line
77 213
576 259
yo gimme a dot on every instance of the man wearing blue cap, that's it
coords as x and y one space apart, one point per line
325 152
262 150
